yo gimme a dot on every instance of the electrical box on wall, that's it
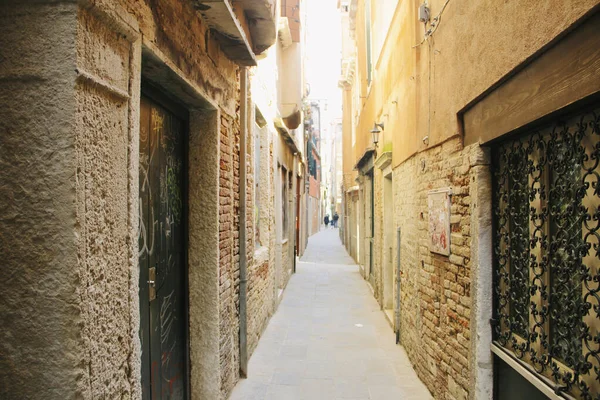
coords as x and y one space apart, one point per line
423 13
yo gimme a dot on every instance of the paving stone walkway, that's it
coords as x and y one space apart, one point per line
329 339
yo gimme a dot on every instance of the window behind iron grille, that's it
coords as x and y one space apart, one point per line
546 252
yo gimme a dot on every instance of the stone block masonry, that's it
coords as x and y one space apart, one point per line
71 81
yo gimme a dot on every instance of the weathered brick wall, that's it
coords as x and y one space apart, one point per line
261 273
229 255
435 291
260 298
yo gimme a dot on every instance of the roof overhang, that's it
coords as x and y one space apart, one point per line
365 162
291 115
262 22
228 20
230 34
287 136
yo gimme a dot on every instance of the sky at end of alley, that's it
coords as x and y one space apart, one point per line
323 55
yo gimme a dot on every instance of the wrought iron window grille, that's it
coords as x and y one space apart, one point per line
547 252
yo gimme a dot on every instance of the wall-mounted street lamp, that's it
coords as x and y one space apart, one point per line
375 132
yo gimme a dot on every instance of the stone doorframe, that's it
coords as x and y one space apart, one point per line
364 166
203 213
480 188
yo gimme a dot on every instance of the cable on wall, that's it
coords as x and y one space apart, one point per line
435 23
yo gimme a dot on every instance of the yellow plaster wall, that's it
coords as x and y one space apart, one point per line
347 148
422 88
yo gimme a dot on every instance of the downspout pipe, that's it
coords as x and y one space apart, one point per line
243 254
398 281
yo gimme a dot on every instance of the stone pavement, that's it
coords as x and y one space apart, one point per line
329 339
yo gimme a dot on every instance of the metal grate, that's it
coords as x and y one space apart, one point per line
547 252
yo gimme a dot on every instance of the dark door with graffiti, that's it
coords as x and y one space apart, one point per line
162 244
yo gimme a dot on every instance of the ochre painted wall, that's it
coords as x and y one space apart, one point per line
475 45
418 88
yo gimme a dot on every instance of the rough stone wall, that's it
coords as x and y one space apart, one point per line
68 129
102 199
184 42
203 253
177 31
41 349
435 289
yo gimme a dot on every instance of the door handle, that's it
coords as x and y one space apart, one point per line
152 283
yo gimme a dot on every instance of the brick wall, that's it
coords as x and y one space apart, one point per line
435 291
229 253
261 273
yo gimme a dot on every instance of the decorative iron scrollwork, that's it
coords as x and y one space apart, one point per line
547 252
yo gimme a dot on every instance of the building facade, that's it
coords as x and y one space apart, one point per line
135 149
314 172
469 141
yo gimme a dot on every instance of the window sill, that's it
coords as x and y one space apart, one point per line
284 241
540 382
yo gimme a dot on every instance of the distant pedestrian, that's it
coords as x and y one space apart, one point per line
326 220
335 219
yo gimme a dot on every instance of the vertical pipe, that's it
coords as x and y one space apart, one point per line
243 254
397 324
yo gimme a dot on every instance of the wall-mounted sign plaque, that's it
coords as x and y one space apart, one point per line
439 221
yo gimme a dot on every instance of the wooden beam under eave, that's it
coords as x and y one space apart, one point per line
564 74
228 30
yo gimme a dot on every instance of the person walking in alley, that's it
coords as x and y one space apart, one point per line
335 219
326 220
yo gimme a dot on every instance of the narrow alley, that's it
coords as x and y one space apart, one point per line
300 199
329 339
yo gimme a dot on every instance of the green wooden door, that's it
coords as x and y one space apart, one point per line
163 285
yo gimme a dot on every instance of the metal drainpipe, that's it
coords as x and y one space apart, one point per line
398 288
243 255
